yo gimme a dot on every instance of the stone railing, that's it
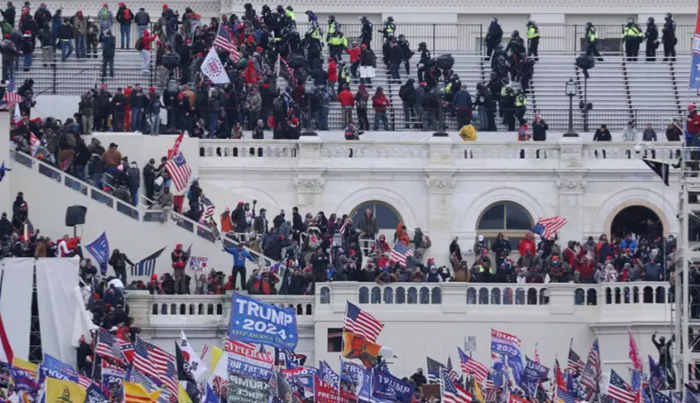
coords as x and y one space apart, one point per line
607 302
443 151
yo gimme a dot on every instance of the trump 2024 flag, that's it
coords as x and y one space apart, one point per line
214 69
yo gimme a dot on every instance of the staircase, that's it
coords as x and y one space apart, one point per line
135 230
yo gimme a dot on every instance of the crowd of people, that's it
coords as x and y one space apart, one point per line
257 42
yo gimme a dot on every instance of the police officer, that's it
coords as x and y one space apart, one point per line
406 51
632 35
424 62
520 106
651 36
668 37
508 107
389 28
494 36
592 40
338 42
533 39
366 33
333 27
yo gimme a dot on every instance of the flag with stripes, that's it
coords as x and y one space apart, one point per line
547 227
230 345
108 347
634 353
472 367
144 363
451 371
344 226
290 70
9 100
592 373
433 369
223 41
619 390
564 397
179 172
691 395
147 266
400 253
362 323
575 363
452 393
164 365
6 353
208 208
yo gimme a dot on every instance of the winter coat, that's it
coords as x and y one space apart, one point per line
539 130
379 102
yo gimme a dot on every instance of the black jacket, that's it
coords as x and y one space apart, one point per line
142 18
122 18
539 130
602 135
109 44
395 54
408 93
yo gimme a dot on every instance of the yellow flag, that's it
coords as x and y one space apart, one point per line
355 346
135 393
24 364
58 391
182 395
216 354
477 392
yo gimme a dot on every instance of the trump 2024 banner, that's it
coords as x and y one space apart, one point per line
257 322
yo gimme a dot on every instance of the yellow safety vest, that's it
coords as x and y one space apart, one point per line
481 269
503 91
633 32
533 32
290 14
331 28
389 28
520 100
336 41
592 35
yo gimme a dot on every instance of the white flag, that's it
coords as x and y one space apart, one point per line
212 68
196 366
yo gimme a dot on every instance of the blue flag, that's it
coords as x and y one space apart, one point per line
507 345
659 397
354 378
391 388
56 369
532 375
259 322
327 374
695 64
210 396
99 249
24 380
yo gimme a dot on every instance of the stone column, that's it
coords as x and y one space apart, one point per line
440 192
5 186
571 189
309 181
309 191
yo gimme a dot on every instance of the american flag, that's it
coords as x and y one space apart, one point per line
399 254
361 323
179 171
575 363
547 227
345 225
634 354
10 99
223 41
107 346
208 208
451 371
452 393
433 368
565 397
84 381
290 70
691 396
471 366
158 363
592 372
619 390
659 397
147 266
205 350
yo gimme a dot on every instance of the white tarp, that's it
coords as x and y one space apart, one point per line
16 302
55 281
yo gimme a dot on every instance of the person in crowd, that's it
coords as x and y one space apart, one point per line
240 254
380 103
630 132
125 17
80 25
118 262
109 44
179 260
602 134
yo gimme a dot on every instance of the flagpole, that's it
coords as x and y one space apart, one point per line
342 349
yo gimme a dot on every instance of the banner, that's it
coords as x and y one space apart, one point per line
508 345
96 393
62 391
355 346
113 379
695 64
4 375
24 380
54 368
324 392
198 263
246 390
212 68
258 322
532 375
303 377
389 387
327 374
247 363
355 379
289 359
99 249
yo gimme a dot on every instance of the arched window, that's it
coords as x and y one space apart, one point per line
387 217
506 217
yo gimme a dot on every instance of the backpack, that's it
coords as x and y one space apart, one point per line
127 14
139 44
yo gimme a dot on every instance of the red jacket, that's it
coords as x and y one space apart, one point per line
251 74
586 269
147 40
333 72
345 98
527 245
379 102
693 123
354 54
